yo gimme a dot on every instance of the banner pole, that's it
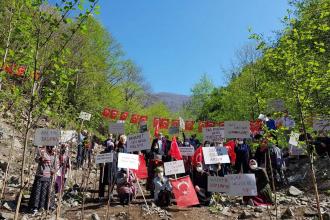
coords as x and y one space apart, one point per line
137 180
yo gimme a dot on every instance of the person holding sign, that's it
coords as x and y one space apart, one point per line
162 188
200 183
126 188
121 146
41 192
264 196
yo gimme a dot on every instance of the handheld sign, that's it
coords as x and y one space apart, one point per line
182 123
223 154
138 142
47 137
117 128
213 134
294 138
217 184
237 129
174 167
187 151
129 161
104 158
85 116
321 125
210 155
173 130
242 185
69 136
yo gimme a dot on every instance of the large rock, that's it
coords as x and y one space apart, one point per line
293 191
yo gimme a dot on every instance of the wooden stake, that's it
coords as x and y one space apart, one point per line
273 182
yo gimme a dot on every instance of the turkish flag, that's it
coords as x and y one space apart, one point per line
156 122
21 70
174 150
201 125
184 192
255 127
106 112
198 156
141 172
164 123
123 116
210 124
114 113
10 69
135 118
221 124
230 145
175 123
143 118
189 125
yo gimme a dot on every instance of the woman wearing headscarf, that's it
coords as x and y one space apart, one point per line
126 188
264 196
162 188
200 184
42 196
64 163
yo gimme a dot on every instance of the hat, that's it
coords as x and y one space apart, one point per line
261 117
159 169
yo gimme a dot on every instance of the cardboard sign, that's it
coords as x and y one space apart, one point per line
223 154
242 185
69 136
321 125
213 134
47 137
294 139
138 142
85 116
174 167
217 184
173 130
187 151
104 158
129 161
210 155
237 129
117 128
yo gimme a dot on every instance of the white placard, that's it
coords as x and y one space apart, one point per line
117 128
213 134
217 184
69 136
242 185
138 142
237 129
294 139
104 158
47 137
321 125
187 151
129 161
174 167
182 123
223 154
211 156
85 116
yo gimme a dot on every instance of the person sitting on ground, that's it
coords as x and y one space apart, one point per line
162 188
264 191
200 183
152 165
126 188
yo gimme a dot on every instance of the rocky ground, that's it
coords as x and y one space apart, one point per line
294 202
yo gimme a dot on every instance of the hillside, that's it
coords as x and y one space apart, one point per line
173 101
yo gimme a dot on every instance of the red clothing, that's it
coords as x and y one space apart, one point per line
230 145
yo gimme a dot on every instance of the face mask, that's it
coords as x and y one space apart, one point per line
253 167
199 169
156 148
160 175
240 142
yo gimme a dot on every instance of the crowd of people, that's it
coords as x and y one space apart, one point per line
267 162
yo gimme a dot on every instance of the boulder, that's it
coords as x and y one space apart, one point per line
293 191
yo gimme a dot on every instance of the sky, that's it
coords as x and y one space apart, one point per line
174 42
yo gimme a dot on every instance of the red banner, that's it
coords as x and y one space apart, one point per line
142 172
184 192
135 118
144 118
123 116
210 124
21 71
189 125
164 123
201 125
